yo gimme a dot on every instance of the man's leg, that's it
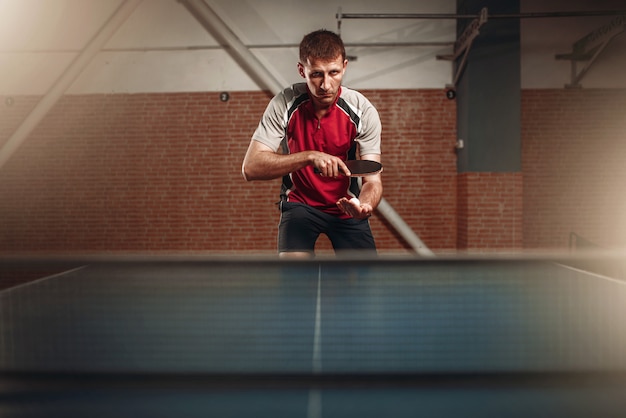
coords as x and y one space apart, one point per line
352 235
298 230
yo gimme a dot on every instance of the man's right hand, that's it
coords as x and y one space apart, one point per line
328 165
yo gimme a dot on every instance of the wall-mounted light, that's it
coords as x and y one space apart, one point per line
224 96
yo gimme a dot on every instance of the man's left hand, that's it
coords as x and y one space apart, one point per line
355 208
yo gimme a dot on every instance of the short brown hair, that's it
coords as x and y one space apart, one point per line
321 44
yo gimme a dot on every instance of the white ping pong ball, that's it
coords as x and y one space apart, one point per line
355 201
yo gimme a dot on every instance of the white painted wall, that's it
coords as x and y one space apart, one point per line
162 48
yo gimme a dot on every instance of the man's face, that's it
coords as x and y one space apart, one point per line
323 78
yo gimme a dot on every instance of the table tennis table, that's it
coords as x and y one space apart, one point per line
329 337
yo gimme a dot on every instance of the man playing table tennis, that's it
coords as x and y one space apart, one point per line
305 135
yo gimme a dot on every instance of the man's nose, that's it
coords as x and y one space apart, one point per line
325 84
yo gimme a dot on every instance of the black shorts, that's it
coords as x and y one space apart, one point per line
301 225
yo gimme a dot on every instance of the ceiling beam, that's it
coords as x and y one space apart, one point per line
231 43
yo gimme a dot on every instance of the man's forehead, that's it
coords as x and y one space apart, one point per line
320 64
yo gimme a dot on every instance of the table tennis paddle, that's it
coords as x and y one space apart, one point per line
360 168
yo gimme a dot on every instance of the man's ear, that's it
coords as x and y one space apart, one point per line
301 70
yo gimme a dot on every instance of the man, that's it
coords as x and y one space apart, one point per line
305 135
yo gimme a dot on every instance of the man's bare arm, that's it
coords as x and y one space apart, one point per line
369 197
372 187
262 163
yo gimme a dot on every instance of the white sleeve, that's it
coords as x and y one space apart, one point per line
272 127
369 136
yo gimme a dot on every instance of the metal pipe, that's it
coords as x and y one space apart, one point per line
263 46
403 16
70 74
362 44
341 15
388 212
215 47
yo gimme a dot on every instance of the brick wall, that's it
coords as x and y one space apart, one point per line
489 211
573 159
161 172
